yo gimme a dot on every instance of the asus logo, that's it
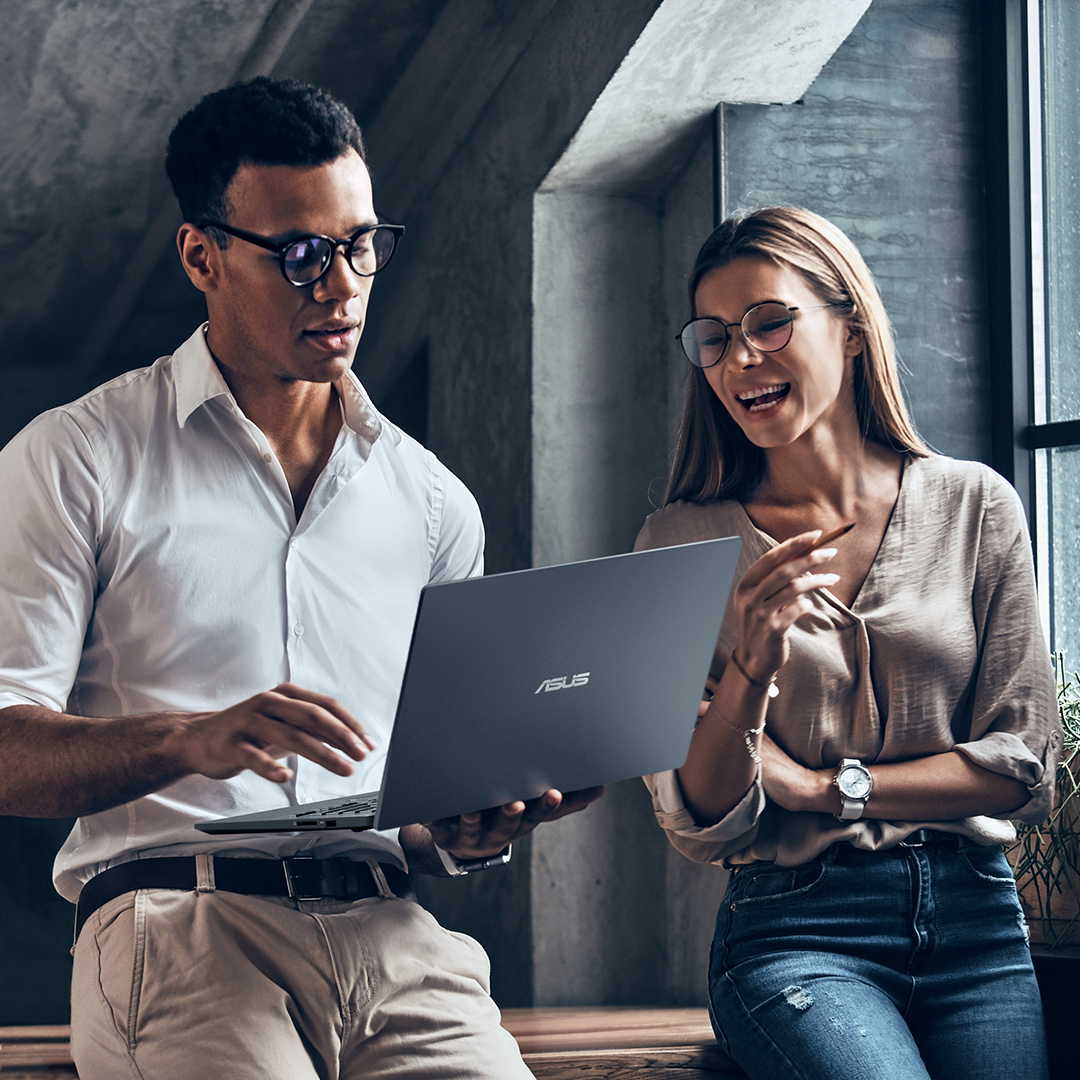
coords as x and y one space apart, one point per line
563 682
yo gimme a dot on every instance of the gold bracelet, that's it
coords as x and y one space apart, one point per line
770 687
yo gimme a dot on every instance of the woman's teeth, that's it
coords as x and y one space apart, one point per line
759 397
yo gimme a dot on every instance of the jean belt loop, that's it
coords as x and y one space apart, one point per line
204 874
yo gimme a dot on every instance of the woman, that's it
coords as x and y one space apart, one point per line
880 707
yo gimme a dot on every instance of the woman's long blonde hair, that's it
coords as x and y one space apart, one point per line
714 459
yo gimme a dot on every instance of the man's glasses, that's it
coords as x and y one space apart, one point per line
308 258
765 328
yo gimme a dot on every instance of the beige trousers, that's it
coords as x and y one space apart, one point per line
172 985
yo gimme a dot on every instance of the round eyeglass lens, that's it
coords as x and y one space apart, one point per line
767 327
371 250
306 259
704 341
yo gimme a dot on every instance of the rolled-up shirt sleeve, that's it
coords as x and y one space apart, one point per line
48 573
701 843
1015 729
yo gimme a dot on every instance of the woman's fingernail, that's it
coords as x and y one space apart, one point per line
831 579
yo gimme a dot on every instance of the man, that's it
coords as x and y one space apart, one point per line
234 518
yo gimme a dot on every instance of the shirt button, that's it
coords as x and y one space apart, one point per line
298 629
266 457
293 543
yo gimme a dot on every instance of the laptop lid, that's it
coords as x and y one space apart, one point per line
565 676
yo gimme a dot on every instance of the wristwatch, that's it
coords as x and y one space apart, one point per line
456 867
854 782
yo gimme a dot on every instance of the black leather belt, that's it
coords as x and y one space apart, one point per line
927 836
301 877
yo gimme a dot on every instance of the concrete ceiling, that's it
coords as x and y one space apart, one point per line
89 92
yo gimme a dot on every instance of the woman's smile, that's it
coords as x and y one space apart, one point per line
760 399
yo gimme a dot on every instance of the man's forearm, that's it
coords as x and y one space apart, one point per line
58 765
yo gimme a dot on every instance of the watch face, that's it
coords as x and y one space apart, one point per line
854 782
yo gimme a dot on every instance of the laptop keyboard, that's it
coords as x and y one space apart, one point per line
353 807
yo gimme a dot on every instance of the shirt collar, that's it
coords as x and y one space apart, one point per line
196 376
199 380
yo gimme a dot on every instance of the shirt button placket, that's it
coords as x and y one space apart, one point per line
296 627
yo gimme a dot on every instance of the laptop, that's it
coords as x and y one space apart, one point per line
565 677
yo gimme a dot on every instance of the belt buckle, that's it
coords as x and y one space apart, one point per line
916 839
293 867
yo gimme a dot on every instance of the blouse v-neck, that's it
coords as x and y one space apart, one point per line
879 558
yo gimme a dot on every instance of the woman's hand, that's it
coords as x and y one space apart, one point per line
791 785
723 759
772 597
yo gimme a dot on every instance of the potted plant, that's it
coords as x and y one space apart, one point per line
1046 857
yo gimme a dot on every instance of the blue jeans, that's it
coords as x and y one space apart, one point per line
891 965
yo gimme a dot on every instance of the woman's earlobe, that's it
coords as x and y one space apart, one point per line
855 343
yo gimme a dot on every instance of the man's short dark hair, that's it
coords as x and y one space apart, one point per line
260 122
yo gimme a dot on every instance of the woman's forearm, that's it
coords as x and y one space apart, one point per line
941 787
723 759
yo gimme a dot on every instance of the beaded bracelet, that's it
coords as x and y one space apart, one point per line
770 687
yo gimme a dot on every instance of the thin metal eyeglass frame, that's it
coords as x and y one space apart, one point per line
280 249
727 329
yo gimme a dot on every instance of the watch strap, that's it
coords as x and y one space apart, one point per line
456 867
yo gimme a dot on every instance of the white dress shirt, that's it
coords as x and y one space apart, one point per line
150 559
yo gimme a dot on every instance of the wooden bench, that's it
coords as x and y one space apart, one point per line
36 1053
617 1043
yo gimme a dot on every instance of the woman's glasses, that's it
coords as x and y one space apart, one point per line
765 327
308 258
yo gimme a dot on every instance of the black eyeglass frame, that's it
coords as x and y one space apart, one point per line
727 330
280 249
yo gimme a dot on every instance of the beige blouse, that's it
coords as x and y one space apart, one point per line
941 650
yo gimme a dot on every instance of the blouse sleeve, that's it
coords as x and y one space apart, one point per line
1015 729
712 843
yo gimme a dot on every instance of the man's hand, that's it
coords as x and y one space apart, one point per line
254 733
477 835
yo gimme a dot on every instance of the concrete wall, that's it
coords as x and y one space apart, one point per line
887 143
599 396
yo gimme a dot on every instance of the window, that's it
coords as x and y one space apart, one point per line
1033 194
1054 437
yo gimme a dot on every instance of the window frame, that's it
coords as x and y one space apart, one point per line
1013 110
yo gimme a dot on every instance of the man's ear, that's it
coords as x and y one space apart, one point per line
200 257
